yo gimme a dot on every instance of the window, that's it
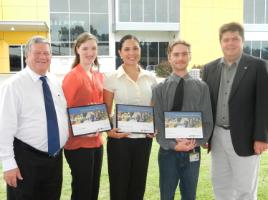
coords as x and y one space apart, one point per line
174 10
60 49
144 54
161 11
69 18
152 53
58 6
149 11
163 51
260 12
257 49
264 50
59 27
136 10
255 11
124 10
79 23
98 6
247 47
16 58
79 6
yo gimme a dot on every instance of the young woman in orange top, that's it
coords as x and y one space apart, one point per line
84 86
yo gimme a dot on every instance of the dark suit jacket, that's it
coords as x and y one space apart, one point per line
248 101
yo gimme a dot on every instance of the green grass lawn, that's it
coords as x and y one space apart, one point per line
204 191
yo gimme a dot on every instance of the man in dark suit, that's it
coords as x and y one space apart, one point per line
238 88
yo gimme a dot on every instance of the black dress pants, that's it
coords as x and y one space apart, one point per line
128 161
42 175
85 165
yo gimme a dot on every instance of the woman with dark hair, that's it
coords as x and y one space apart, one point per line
128 153
84 86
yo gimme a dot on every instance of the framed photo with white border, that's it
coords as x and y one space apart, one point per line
89 119
135 119
183 125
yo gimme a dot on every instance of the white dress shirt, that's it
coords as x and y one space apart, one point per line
127 91
23 114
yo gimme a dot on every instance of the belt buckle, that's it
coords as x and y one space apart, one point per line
55 154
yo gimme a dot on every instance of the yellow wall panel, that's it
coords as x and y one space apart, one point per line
13 38
43 3
19 2
43 14
20 13
4 57
1 12
200 22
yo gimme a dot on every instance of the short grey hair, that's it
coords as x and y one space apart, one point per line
36 40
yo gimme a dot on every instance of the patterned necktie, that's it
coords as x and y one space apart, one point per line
52 122
178 98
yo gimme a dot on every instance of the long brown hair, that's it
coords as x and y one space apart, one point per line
83 37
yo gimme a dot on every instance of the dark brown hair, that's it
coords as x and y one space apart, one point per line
232 27
83 37
127 37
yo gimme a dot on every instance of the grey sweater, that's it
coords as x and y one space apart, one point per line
196 98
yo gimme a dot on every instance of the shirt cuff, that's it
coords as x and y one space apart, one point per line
9 164
172 145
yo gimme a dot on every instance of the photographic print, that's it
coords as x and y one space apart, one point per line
183 125
89 119
135 119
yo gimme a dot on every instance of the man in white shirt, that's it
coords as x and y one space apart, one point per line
30 170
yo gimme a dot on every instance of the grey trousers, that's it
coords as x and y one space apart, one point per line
233 177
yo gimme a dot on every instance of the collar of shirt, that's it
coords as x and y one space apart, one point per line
121 72
81 69
177 78
223 63
35 77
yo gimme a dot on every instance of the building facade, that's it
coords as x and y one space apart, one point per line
154 22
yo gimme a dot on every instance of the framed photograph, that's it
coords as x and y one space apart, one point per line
183 125
135 119
89 119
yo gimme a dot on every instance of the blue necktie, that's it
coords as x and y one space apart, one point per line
52 122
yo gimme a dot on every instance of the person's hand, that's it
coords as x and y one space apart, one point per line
185 144
92 135
11 177
151 135
113 134
260 147
205 146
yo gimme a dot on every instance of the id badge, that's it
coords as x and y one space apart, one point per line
194 157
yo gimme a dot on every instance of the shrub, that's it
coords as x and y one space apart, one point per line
163 69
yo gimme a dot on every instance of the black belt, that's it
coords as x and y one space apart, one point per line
25 146
224 127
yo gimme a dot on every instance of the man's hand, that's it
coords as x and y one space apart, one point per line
11 177
205 146
260 147
185 144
